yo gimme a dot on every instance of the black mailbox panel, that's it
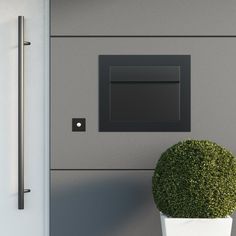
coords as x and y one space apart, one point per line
144 93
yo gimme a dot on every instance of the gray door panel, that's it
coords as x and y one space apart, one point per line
139 17
103 203
74 94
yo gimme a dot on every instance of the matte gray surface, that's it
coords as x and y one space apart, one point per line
74 67
103 203
139 17
152 102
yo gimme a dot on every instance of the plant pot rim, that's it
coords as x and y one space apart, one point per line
175 218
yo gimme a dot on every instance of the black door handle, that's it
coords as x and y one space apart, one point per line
21 44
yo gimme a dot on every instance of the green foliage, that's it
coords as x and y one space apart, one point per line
195 179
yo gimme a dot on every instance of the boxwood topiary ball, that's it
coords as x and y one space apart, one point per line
195 179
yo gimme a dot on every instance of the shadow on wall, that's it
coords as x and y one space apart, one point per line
103 208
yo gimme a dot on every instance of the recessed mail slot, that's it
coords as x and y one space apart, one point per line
144 93
144 74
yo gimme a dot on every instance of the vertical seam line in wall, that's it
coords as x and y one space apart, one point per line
47 103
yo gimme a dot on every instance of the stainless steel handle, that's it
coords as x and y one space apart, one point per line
21 44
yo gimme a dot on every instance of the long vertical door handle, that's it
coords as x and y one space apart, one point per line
21 44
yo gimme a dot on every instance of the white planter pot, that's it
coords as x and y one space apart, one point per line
196 226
